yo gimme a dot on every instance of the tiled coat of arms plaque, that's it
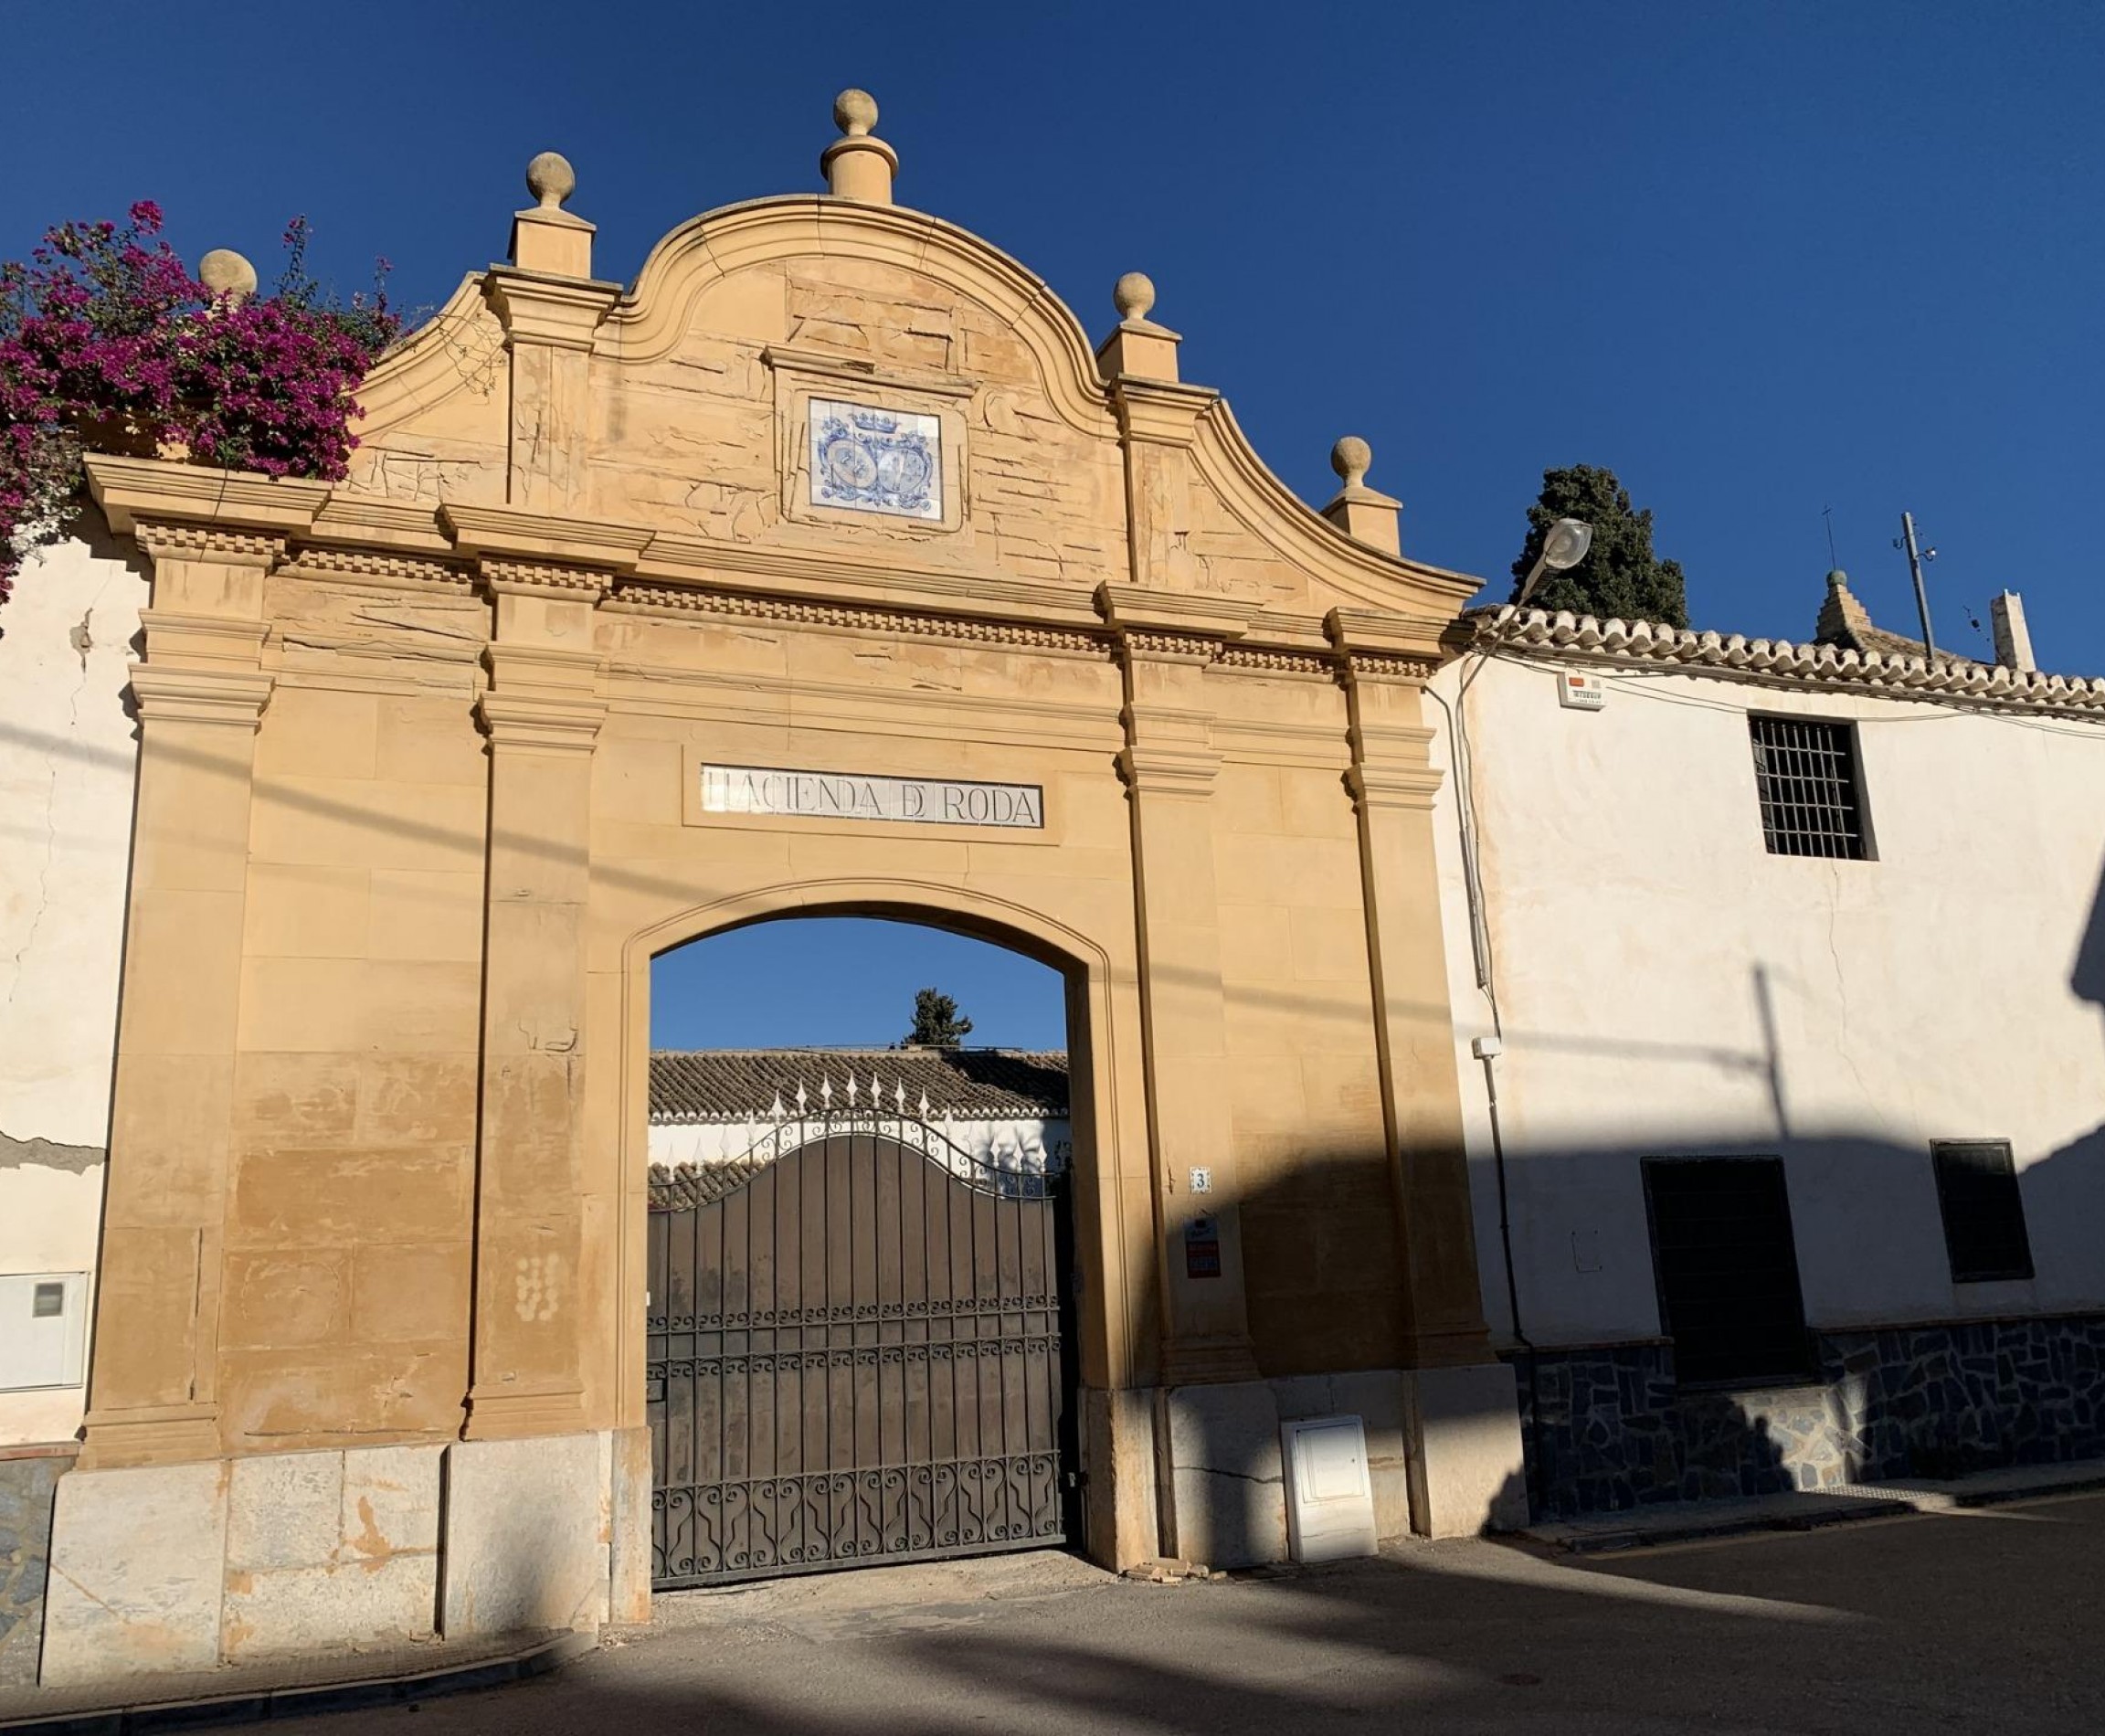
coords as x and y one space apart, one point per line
876 460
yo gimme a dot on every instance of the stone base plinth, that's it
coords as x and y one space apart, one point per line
528 1532
1444 1456
1462 1444
187 1567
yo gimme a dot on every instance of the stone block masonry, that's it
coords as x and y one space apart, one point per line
1608 1428
182 1567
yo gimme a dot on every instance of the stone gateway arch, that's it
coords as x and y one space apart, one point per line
829 568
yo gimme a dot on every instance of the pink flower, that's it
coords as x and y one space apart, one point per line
104 334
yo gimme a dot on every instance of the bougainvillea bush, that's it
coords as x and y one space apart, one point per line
108 344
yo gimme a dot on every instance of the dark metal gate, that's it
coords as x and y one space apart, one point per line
856 1354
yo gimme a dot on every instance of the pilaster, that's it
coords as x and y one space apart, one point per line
201 694
1168 765
1392 783
542 720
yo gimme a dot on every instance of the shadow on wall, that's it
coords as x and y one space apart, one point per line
1611 1427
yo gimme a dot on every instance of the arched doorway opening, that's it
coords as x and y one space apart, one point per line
860 1336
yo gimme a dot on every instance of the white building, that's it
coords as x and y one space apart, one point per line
68 755
1000 1109
1832 917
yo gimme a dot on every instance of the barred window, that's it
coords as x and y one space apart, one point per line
1984 1234
1805 770
1727 1269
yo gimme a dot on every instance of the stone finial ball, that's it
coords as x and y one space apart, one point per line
855 112
551 179
226 272
1351 458
1133 295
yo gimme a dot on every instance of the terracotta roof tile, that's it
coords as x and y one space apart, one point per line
729 1085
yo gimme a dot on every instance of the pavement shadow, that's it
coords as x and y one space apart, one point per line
1859 1629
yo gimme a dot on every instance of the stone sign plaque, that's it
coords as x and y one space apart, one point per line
838 795
876 460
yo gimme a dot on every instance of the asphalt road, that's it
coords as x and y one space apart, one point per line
1981 1622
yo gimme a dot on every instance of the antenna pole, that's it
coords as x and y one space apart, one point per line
1921 596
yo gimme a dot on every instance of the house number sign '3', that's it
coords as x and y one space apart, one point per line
831 795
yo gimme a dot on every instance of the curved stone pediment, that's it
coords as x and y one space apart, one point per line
778 365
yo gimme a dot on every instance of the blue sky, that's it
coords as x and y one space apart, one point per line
1761 259
841 980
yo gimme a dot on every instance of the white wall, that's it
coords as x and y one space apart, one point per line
1020 1142
1670 988
66 760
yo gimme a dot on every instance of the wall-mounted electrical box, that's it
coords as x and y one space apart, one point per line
1330 1495
1580 693
43 1328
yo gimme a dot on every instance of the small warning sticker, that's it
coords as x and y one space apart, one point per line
1201 1249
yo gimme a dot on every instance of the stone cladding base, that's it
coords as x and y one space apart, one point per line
1608 1428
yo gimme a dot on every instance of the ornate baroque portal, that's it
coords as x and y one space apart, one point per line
1014 634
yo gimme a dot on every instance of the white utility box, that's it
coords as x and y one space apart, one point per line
1330 1495
1580 693
43 1328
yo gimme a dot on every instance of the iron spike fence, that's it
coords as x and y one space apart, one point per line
857 1350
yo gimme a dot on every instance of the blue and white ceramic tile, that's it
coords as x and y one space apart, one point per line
876 460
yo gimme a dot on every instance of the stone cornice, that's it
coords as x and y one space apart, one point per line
558 311
130 489
1159 412
1268 659
1393 785
543 578
232 697
543 722
362 522
1384 666
509 534
221 641
1162 622
681 601
369 566
167 542
878 579
1374 640
1168 648
1776 663
1179 769
542 670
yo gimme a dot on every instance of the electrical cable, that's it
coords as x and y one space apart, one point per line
1487 981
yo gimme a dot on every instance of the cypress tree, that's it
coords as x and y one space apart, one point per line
1621 576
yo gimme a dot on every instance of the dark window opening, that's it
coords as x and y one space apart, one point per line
1727 1268
1984 1213
1805 772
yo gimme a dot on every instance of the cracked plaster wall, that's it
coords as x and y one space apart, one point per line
66 760
1668 988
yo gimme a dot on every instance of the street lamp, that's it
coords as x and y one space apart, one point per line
1565 546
